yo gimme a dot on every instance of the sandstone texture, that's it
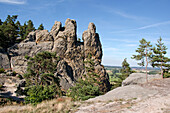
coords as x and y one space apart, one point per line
139 78
151 97
4 60
62 41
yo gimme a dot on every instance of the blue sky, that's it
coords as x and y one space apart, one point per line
120 23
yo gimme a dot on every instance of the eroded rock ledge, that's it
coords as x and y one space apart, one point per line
63 41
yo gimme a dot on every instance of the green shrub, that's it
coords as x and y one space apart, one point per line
27 57
2 70
83 90
40 79
14 73
38 93
88 87
166 75
1 86
19 76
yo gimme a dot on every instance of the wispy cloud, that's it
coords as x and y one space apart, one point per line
145 27
154 25
123 40
111 49
126 15
121 13
131 45
14 1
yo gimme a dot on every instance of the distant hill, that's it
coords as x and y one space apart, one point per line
136 68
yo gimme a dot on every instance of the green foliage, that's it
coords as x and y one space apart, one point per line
83 90
30 27
1 86
166 75
144 54
41 69
144 51
41 27
166 72
126 70
159 59
88 86
27 57
154 72
38 93
117 78
10 30
40 79
79 40
2 70
115 81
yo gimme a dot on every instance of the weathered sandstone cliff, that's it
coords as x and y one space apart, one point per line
63 41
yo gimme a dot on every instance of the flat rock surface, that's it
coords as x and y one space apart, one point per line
139 78
126 93
153 97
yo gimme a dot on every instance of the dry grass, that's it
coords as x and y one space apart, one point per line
60 105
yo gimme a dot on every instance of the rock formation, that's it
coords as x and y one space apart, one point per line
63 41
139 78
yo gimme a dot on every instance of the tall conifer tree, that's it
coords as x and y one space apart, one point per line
144 54
159 52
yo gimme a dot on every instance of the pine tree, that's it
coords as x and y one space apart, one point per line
30 27
9 31
144 54
23 30
41 68
159 52
1 22
41 27
41 82
126 70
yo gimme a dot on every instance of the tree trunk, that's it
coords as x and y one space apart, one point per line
146 66
161 70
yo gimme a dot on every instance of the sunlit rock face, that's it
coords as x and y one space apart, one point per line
62 41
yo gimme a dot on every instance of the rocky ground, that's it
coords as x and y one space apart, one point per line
141 97
153 97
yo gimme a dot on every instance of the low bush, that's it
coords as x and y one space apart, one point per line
38 93
166 75
88 86
83 90
2 70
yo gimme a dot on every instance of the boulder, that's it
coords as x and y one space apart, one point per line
4 60
139 78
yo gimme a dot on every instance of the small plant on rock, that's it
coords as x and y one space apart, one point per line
87 87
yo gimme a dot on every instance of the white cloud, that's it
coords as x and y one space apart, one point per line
124 40
111 49
131 45
13 1
154 25
145 27
121 13
129 16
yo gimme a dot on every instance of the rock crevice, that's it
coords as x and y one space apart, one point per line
62 41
